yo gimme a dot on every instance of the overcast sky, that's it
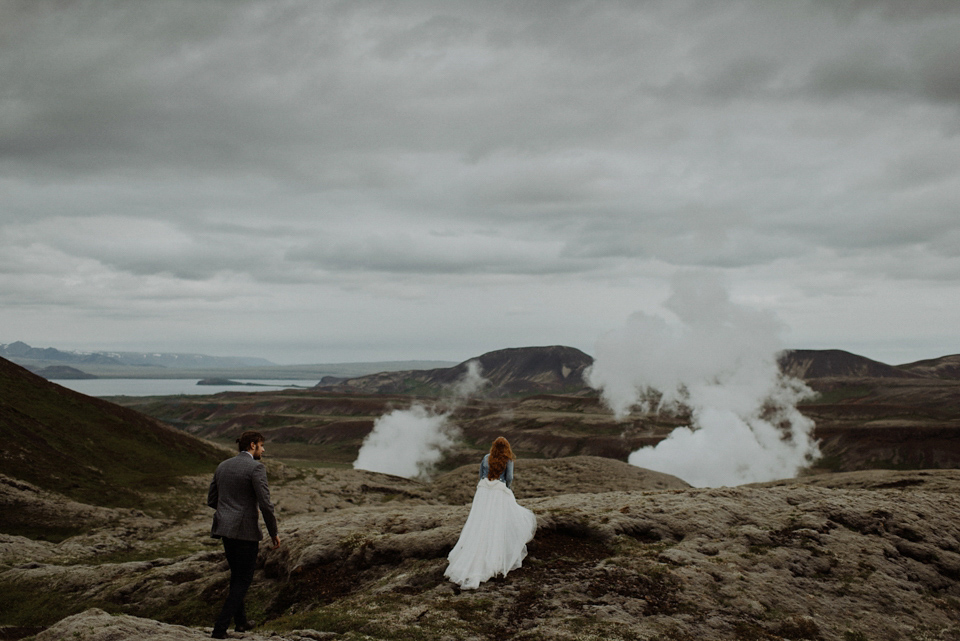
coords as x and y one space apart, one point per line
340 181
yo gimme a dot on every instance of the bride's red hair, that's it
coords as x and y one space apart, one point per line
500 454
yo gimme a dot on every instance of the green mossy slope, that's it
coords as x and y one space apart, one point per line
90 450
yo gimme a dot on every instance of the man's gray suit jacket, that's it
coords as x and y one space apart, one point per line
239 486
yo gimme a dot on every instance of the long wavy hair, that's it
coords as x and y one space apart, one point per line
500 454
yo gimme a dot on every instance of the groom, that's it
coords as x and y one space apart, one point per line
240 485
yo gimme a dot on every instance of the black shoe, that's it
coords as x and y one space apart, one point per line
245 627
219 634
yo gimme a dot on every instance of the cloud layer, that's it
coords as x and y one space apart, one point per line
328 181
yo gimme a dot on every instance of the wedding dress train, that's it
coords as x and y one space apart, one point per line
494 538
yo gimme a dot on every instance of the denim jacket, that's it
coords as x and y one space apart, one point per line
506 476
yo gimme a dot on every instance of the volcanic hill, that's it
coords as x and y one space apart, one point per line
821 363
521 370
943 367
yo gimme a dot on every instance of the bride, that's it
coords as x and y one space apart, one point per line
494 538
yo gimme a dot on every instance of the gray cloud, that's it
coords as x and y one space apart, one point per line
893 9
236 152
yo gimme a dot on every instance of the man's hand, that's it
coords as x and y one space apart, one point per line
276 542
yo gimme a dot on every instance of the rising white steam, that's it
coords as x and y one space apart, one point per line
411 442
471 383
720 361
406 442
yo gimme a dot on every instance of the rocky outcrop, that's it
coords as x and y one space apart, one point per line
64 531
96 625
873 555
552 477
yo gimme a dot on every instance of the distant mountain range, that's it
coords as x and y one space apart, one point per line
56 364
21 353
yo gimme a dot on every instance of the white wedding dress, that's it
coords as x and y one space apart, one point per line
494 538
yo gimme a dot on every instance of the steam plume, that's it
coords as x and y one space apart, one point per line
720 361
411 442
471 383
405 442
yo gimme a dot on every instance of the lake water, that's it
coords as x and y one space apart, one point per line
172 386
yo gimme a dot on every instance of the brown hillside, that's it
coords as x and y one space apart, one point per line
820 363
86 448
944 367
515 371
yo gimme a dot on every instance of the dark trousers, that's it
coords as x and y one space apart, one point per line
242 558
